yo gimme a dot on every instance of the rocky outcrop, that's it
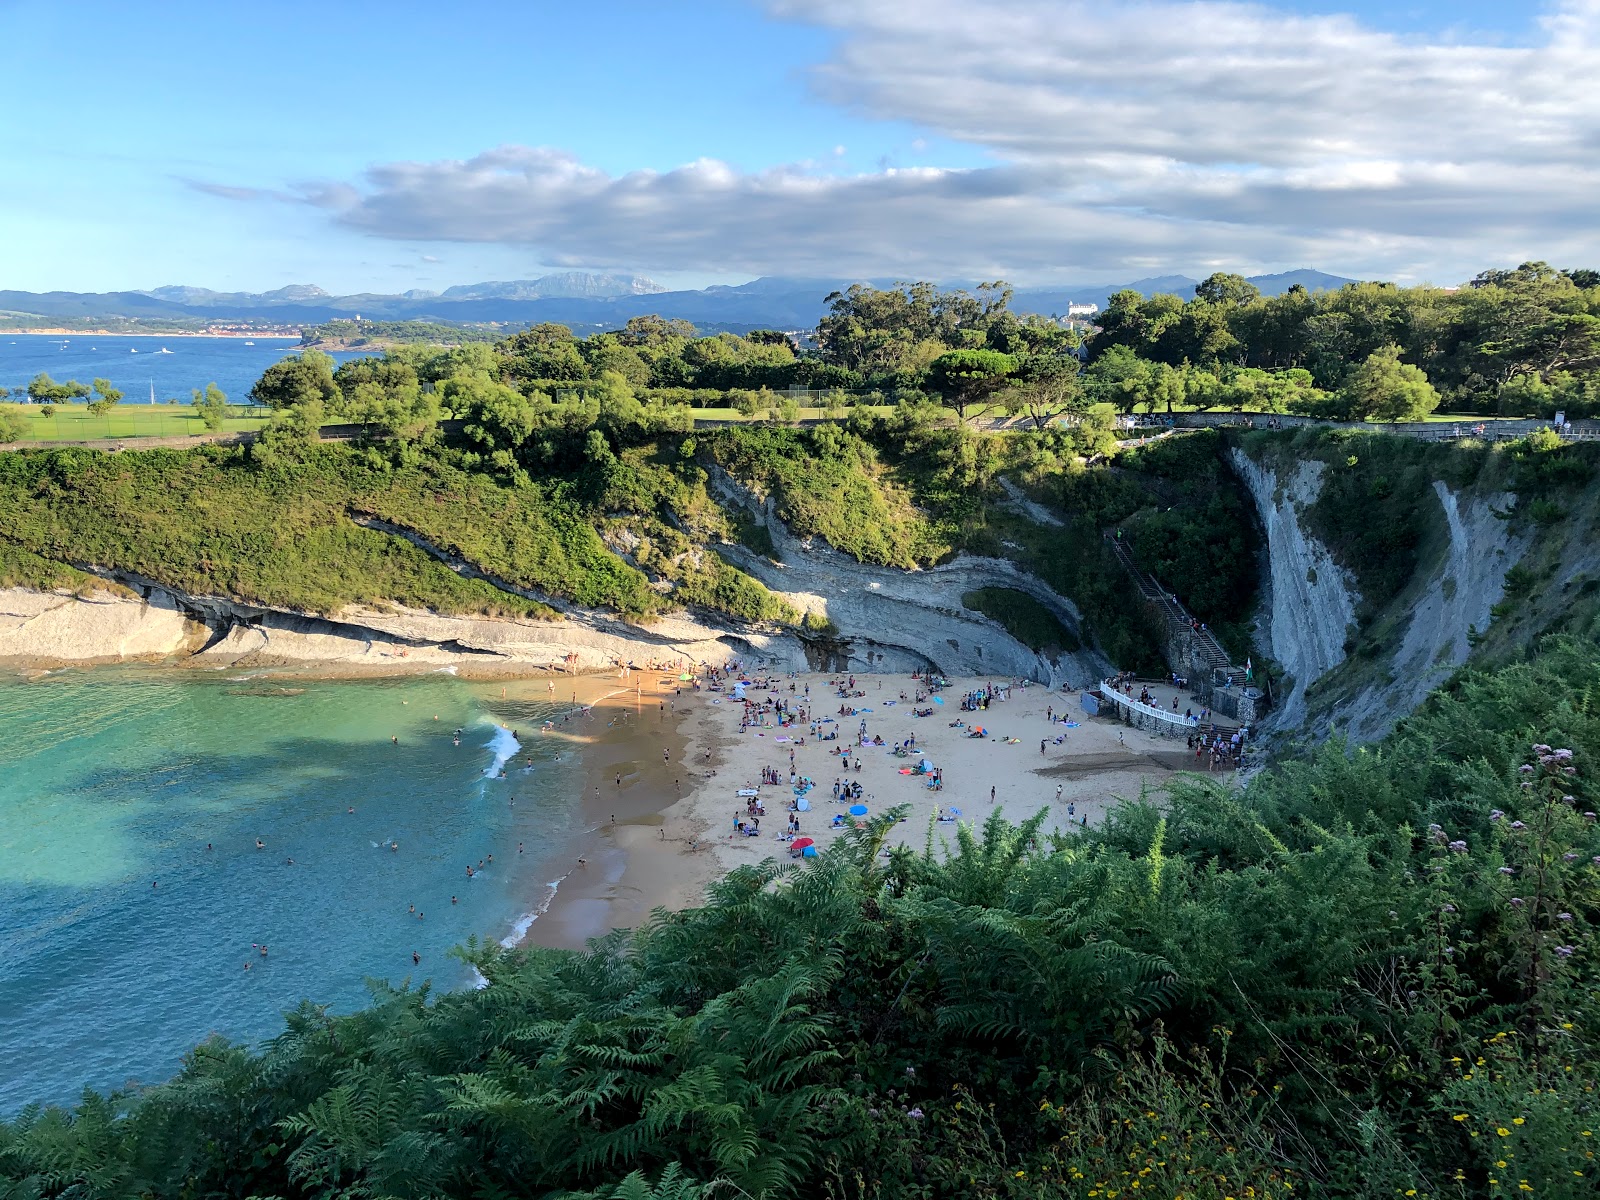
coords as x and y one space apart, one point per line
1309 602
1309 606
59 628
889 619
1446 606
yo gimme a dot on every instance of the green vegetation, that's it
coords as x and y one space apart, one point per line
354 335
1525 341
1370 974
1024 618
75 423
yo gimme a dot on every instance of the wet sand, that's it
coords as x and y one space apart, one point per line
672 833
629 868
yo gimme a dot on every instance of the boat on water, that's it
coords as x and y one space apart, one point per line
249 343
133 349
163 350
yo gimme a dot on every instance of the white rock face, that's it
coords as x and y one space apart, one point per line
906 619
1452 603
59 627
1310 603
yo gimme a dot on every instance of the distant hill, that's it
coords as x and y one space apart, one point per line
567 285
580 299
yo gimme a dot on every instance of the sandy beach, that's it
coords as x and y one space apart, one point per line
673 830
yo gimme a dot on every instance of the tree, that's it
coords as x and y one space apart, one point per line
44 390
4 392
1223 288
13 426
105 399
1094 436
300 380
1047 386
212 405
1383 388
1119 377
964 378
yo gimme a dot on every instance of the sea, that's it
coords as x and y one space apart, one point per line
162 830
173 367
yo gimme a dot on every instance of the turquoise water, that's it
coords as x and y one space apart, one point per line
117 779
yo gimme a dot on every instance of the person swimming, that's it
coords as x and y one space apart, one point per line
260 845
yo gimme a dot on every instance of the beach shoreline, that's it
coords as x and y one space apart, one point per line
674 836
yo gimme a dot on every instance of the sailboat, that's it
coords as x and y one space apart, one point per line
163 350
152 391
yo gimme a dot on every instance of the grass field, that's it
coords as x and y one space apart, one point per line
74 422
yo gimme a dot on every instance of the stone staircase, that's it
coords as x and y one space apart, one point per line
1191 650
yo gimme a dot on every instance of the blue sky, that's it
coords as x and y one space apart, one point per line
371 147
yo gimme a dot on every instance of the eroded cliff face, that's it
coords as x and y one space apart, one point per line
882 618
1310 605
889 619
50 628
1308 602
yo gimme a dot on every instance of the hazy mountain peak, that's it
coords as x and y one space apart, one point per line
563 285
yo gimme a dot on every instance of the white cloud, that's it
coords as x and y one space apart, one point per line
1172 134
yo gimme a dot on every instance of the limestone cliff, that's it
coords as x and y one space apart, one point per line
1309 611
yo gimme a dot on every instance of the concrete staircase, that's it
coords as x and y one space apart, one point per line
1191 650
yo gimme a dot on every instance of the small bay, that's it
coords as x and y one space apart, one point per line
132 891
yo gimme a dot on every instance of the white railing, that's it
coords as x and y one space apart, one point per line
1149 710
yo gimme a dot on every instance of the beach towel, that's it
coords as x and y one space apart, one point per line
938 699
1073 724
905 770
748 792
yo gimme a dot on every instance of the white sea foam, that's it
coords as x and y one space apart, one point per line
505 747
520 927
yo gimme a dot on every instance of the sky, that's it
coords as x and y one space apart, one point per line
372 147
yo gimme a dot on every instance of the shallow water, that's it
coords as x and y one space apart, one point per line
115 780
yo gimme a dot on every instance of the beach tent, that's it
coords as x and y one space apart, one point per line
809 852
926 766
802 805
1090 704
858 810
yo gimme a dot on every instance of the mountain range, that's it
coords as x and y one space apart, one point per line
573 298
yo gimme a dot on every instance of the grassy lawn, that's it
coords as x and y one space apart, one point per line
74 422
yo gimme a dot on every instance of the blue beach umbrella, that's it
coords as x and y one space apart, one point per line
858 810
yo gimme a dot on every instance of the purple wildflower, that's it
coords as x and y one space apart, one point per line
1563 916
915 1114
1564 951
1518 825
1459 847
1495 814
1508 870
